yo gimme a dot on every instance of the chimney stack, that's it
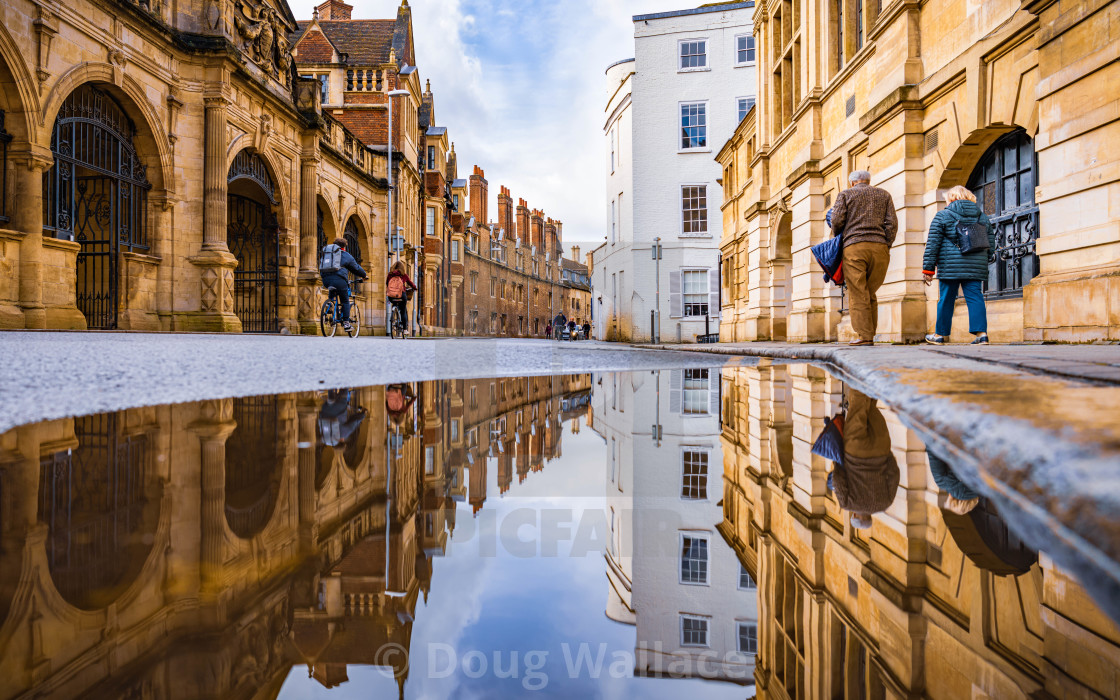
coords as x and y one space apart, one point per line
523 230
574 254
334 9
505 211
479 191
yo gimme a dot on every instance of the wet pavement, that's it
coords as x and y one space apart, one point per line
754 528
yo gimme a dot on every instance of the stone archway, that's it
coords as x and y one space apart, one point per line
781 277
253 237
253 465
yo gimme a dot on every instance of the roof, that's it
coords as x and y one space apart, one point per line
567 264
366 41
436 130
704 9
619 63
459 183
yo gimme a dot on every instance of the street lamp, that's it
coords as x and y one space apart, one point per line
394 244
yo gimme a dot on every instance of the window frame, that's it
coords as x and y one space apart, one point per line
681 43
692 234
702 486
743 572
682 133
698 536
751 50
429 221
739 111
707 620
739 625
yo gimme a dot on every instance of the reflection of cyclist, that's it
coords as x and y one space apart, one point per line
336 423
398 400
334 265
398 287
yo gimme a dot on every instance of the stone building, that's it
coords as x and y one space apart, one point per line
208 548
923 603
1010 99
575 280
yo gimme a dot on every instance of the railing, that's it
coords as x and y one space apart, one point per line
345 143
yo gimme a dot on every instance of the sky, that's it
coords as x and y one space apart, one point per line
520 86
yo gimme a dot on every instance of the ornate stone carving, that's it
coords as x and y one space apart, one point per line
264 38
227 289
305 307
211 291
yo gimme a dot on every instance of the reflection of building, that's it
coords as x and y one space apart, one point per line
669 572
211 547
668 109
921 604
997 97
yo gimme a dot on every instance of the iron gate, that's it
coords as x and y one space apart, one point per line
253 237
252 464
96 194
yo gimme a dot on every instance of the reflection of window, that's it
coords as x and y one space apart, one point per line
694 631
694 286
694 125
746 581
694 210
748 637
695 392
455 429
694 55
694 479
430 460
694 559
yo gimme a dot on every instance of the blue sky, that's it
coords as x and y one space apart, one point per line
520 86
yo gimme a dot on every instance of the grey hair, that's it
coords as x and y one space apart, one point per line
860 176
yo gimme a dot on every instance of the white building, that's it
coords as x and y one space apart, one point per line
668 110
669 571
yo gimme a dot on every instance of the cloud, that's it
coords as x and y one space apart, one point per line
520 86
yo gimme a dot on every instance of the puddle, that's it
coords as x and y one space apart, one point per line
630 534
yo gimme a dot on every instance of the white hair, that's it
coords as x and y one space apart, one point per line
860 176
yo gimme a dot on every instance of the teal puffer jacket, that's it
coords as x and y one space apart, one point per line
942 253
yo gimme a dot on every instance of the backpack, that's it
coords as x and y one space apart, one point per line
394 400
331 260
395 288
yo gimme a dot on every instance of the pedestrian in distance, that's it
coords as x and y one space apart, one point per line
864 215
949 237
548 330
586 330
571 330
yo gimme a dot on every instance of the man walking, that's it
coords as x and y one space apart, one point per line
865 217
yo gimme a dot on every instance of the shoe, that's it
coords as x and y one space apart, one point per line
347 327
862 342
981 339
934 339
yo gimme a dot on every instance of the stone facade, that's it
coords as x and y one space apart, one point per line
211 547
1007 98
921 604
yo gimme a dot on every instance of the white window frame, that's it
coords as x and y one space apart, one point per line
739 585
707 275
695 535
693 69
707 630
751 102
614 221
429 221
739 625
707 209
697 449
455 251
749 49
706 148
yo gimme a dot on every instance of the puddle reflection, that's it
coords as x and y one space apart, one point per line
646 534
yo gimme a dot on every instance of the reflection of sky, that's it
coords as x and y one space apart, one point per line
519 602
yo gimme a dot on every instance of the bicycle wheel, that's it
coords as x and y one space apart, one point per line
326 319
396 329
354 325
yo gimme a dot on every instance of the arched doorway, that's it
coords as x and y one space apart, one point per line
96 194
253 465
1003 182
253 236
781 277
101 508
353 236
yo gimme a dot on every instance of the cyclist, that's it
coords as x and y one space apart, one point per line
398 288
335 264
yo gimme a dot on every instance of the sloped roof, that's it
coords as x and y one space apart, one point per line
365 41
567 264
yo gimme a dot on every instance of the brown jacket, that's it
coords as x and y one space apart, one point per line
863 213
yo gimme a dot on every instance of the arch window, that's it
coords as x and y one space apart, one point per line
353 240
1004 183
253 460
320 231
5 139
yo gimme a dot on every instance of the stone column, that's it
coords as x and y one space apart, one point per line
308 244
216 264
27 218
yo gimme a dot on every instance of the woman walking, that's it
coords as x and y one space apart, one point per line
956 270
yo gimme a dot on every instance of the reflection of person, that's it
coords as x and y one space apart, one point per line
337 424
866 481
957 496
398 400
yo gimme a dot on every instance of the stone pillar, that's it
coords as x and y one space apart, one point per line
27 218
813 316
216 309
213 428
308 312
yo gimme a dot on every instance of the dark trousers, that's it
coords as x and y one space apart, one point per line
402 308
341 288
973 297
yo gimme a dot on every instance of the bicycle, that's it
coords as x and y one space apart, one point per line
397 327
330 317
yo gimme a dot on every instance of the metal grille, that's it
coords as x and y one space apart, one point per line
850 106
5 139
96 194
250 166
92 499
252 465
353 240
1003 183
254 239
931 140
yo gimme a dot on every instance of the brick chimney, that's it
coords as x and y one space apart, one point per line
523 230
505 211
334 9
479 196
573 254
537 222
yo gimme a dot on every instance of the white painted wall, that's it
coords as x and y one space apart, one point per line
658 167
